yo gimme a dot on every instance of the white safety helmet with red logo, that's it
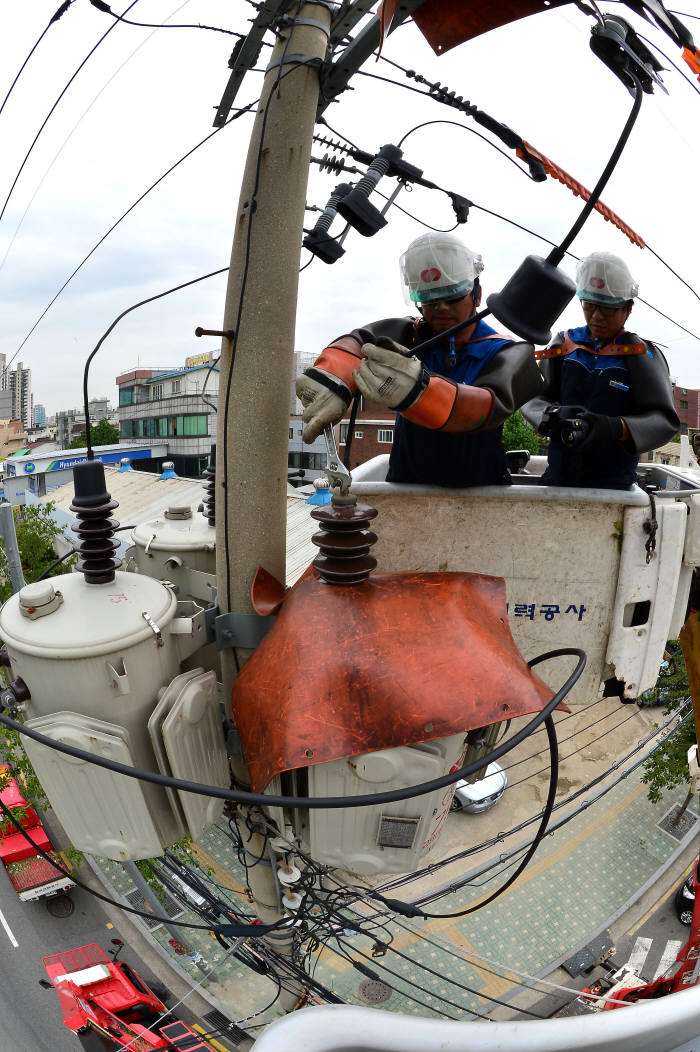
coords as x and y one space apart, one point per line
605 278
438 266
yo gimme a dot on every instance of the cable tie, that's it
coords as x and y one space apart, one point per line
296 60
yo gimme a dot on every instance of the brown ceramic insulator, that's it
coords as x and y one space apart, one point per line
345 542
209 502
91 506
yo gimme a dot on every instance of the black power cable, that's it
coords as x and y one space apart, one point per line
100 5
122 217
556 255
54 18
233 930
49 114
322 802
408 910
105 334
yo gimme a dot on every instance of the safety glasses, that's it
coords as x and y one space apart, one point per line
590 308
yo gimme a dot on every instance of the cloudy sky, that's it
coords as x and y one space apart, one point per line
147 96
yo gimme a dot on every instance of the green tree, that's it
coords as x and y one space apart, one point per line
102 434
517 434
667 767
36 532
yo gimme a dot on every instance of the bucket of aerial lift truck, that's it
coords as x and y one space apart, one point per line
605 570
372 686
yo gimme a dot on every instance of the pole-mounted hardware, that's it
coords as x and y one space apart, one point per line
228 333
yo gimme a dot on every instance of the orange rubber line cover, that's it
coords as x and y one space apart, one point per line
396 660
579 190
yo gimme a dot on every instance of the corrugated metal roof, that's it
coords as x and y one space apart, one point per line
143 496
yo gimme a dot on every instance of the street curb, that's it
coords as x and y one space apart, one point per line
184 977
550 969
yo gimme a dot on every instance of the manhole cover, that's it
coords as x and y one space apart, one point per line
60 906
374 992
677 828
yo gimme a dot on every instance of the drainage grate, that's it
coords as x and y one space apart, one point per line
679 830
219 1026
169 906
374 992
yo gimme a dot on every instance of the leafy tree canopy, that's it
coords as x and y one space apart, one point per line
517 434
36 531
102 434
667 767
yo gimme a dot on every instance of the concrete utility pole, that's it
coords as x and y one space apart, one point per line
9 535
254 391
256 363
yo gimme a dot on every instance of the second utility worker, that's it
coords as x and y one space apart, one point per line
608 396
452 399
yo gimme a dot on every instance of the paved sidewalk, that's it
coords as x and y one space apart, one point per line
583 874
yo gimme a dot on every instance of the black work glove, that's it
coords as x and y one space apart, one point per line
555 415
601 430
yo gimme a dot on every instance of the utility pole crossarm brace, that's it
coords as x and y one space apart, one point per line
338 74
245 54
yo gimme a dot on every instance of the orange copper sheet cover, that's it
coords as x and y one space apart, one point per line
447 23
398 659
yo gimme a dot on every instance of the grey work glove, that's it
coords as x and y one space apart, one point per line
390 376
322 405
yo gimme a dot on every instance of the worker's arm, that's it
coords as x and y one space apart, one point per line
654 420
390 377
537 410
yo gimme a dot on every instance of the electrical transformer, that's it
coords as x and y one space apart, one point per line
96 663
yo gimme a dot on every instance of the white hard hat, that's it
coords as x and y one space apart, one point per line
438 266
605 278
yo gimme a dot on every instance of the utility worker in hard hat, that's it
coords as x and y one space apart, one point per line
451 399
608 396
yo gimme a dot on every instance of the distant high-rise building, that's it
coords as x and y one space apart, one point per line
20 384
39 416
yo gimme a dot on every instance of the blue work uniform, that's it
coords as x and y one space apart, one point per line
453 459
633 384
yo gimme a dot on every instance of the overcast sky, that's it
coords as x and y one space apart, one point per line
147 96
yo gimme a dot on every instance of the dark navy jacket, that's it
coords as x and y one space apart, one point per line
635 386
440 458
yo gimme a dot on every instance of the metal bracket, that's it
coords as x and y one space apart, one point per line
236 630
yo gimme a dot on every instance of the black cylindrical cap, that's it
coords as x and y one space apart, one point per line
89 484
532 299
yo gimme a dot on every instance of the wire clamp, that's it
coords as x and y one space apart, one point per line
296 60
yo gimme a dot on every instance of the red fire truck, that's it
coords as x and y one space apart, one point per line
31 875
109 1006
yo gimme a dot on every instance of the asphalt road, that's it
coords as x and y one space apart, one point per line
31 1018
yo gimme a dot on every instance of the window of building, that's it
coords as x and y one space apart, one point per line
291 432
175 387
294 460
317 461
358 434
385 436
684 427
156 392
126 429
126 396
343 434
684 403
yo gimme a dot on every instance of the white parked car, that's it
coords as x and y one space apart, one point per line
475 797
